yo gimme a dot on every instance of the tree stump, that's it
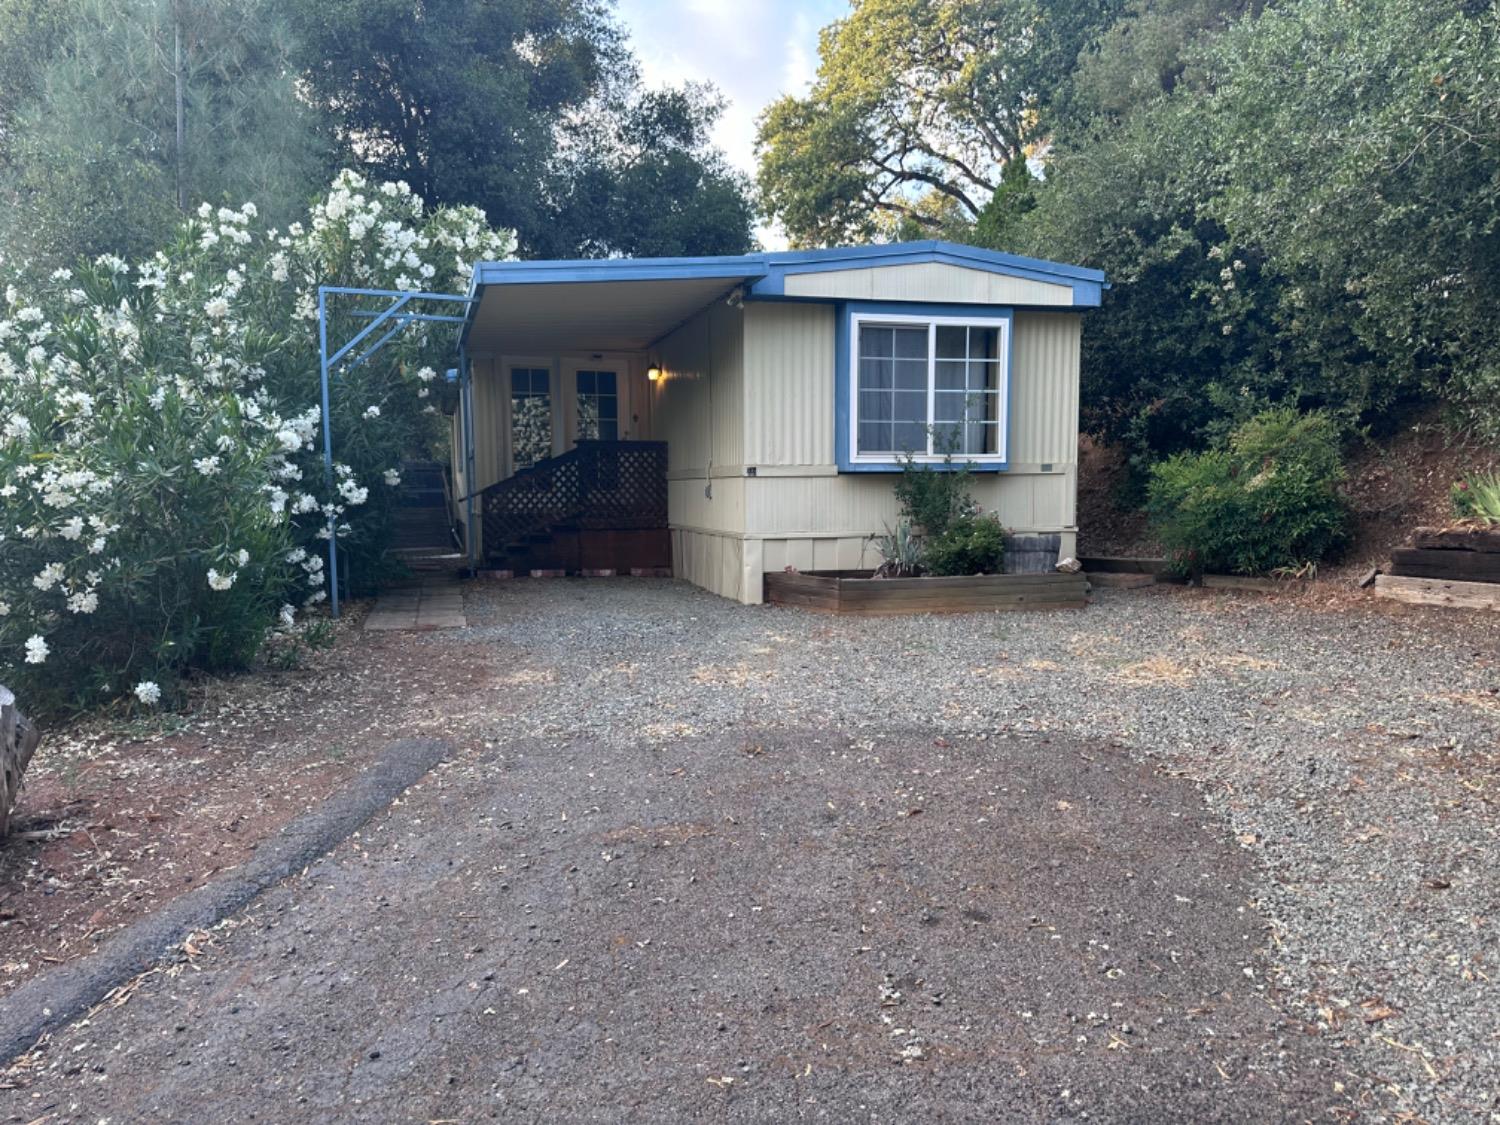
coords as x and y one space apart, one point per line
18 741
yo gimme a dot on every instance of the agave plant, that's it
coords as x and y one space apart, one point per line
901 552
1478 498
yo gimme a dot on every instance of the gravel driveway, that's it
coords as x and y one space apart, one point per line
1180 856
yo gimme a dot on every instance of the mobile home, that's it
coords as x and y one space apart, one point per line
734 416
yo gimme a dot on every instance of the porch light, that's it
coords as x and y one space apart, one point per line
653 373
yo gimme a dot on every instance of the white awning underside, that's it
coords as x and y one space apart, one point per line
537 318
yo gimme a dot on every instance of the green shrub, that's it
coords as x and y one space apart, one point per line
932 497
163 501
1268 501
1478 498
972 544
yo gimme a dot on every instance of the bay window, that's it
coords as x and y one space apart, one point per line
928 386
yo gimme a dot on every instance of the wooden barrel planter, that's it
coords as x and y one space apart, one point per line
858 592
18 741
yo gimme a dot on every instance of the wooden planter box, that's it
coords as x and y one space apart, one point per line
858 593
1437 591
1447 566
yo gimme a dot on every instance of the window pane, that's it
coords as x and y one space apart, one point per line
982 438
948 406
911 375
898 411
874 406
952 341
911 343
528 380
530 424
950 376
910 437
984 407
875 437
874 374
876 342
984 343
947 437
598 407
910 407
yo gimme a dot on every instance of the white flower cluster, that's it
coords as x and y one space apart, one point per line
127 482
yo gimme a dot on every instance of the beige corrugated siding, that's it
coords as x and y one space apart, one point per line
713 504
865 503
491 423
698 406
928 281
1044 389
789 384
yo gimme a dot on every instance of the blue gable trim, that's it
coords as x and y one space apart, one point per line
564 271
844 313
1087 284
855 256
768 272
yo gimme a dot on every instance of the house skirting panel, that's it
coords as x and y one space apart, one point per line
714 560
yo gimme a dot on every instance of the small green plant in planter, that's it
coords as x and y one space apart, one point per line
934 497
942 532
901 552
973 544
1478 498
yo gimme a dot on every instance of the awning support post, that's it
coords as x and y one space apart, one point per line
397 309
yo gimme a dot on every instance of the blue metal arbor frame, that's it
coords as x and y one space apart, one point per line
394 317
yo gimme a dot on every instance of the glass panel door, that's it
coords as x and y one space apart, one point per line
598 406
530 416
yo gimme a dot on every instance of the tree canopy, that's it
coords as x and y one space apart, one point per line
91 160
918 109
116 114
532 111
1296 201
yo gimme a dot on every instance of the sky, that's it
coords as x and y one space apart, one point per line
752 50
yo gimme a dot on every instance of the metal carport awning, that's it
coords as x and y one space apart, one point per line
621 304
611 305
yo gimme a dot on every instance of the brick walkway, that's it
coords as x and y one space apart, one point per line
429 603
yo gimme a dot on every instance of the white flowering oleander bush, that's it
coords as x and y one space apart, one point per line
163 499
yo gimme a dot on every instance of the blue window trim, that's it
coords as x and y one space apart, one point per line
844 313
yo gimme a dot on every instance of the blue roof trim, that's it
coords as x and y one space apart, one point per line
898 253
781 262
767 273
1087 284
565 271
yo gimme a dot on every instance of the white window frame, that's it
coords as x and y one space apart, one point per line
931 323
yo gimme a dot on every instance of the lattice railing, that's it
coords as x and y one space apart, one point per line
618 485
